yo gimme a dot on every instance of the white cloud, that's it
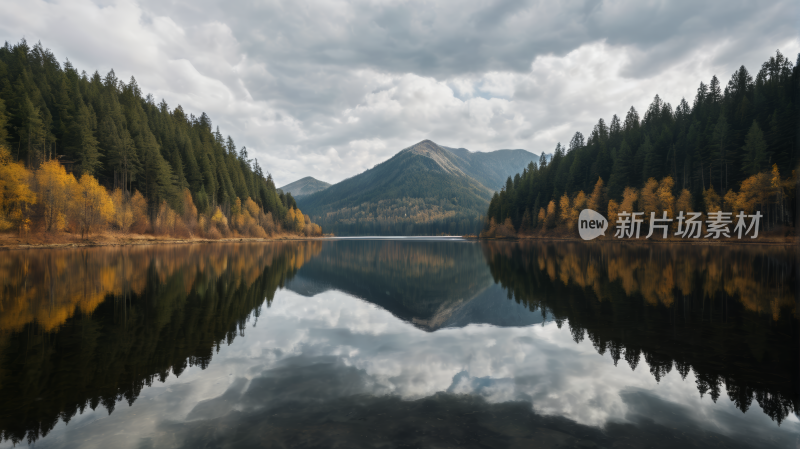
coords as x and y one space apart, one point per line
291 80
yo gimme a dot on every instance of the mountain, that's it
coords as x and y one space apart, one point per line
492 169
425 189
305 186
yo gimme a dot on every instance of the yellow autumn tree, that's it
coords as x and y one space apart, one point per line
648 199
711 200
666 200
629 198
138 206
541 216
251 207
299 221
123 213
166 220
730 202
684 203
755 191
91 205
613 212
563 210
219 221
53 185
578 204
189 211
16 195
550 220
596 199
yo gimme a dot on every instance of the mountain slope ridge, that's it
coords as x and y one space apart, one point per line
305 186
423 189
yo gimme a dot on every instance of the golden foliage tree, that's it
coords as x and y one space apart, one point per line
578 204
597 198
189 211
649 199
550 220
711 200
666 200
629 198
91 204
563 210
684 203
16 195
219 221
53 185
613 212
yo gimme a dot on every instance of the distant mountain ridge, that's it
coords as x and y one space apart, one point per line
424 189
493 168
305 186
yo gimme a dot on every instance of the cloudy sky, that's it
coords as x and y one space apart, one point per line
330 88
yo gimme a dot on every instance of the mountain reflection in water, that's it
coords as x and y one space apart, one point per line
399 343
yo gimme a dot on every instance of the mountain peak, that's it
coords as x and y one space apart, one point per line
440 155
305 186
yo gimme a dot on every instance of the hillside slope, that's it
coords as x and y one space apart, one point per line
305 186
420 191
423 190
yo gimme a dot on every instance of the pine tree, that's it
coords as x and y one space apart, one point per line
720 137
754 151
621 173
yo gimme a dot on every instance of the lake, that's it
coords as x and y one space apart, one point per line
429 342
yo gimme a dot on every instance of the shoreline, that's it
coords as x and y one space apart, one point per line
102 240
5 245
770 241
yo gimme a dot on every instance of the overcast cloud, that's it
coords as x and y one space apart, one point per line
330 88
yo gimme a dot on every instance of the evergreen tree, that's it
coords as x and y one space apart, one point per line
621 173
754 151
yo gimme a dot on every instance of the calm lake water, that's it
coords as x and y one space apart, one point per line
400 343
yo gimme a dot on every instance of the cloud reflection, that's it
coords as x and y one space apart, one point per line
335 370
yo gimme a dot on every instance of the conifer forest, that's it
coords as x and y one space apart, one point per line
85 152
733 147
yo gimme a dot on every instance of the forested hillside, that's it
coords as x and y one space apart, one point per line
147 166
425 189
735 147
419 191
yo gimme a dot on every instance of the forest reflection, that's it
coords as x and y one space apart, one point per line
728 313
79 328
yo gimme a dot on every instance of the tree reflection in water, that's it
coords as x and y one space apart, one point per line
726 312
80 328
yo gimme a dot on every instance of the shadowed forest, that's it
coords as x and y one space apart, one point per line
734 148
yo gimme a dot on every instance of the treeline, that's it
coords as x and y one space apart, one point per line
734 148
158 163
403 216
